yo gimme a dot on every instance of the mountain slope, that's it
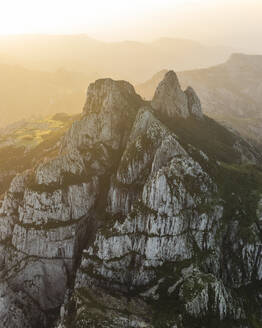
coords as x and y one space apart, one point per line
26 143
230 92
143 219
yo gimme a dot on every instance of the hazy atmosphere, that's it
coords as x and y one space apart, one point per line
131 164
59 47
234 23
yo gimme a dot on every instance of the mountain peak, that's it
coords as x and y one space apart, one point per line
172 101
194 103
110 95
108 115
169 98
171 78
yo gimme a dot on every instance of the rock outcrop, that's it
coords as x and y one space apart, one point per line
194 104
132 225
230 92
170 100
48 212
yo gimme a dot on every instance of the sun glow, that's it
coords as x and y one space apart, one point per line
218 21
67 16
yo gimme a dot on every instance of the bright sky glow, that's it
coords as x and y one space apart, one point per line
220 21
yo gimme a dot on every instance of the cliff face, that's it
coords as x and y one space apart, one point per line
135 223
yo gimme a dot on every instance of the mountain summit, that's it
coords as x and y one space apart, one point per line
169 99
172 101
230 92
150 216
107 94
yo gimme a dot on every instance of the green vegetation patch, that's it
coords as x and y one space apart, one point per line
241 188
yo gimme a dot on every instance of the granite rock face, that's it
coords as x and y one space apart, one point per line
131 225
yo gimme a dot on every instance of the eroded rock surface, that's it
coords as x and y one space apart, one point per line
131 225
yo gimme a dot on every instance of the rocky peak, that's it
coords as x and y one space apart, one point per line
130 219
107 94
108 115
194 104
170 100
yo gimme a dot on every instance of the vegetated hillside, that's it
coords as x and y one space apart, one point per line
149 216
29 93
230 92
130 60
27 143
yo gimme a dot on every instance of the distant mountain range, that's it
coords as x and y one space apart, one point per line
135 61
230 92
39 75
25 93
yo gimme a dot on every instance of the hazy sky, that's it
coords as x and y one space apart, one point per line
237 23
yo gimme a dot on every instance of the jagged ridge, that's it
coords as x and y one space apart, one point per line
132 224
